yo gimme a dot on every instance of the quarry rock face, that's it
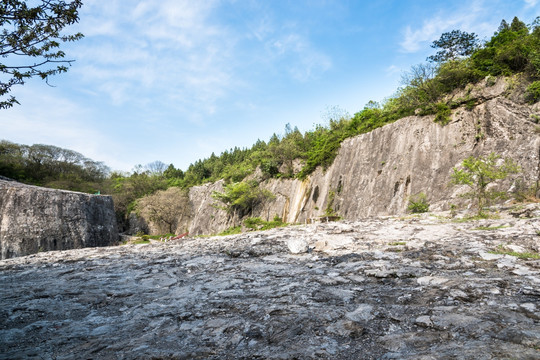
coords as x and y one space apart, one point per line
376 173
34 219
421 287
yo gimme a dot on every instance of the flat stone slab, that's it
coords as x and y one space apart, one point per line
423 293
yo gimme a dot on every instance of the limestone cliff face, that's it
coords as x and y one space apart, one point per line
34 219
376 173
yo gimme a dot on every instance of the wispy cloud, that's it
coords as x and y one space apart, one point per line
303 61
392 70
61 122
181 54
415 39
530 3
167 47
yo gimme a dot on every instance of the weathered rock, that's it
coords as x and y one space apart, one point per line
376 173
297 245
34 219
246 296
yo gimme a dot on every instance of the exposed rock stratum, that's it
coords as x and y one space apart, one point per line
379 288
376 173
36 219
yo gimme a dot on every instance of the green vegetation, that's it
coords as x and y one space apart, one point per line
501 250
231 231
490 227
398 243
478 173
257 223
141 241
51 166
443 114
31 33
533 92
481 216
241 198
418 203
460 61
329 211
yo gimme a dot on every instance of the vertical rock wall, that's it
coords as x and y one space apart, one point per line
34 219
376 173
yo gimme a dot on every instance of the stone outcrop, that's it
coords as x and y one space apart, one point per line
34 219
377 172
380 288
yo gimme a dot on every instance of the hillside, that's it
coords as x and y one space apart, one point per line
377 173
470 98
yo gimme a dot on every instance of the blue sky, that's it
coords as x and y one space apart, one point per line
175 80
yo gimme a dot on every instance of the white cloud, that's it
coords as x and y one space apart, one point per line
57 121
392 70
297 55
415 39
531 3
166 49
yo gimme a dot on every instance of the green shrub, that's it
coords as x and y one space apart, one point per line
443 114
418 203
470 104
231 231
478 172
257 223
533 92
329 211
240 198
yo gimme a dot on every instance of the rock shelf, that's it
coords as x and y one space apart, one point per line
380 288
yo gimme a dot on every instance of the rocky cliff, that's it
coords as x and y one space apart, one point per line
377 172
34 219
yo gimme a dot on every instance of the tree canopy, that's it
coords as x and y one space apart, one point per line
51 166
454 44
30 38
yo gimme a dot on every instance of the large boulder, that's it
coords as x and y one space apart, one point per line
34 219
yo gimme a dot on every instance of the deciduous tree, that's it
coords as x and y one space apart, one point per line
479 172
30 38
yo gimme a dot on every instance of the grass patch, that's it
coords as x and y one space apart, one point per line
231 231
418 203
501 250
145 239
258 224
490 227
255 223
397 243
141 241
482 216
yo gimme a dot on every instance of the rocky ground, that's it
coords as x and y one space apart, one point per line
381 288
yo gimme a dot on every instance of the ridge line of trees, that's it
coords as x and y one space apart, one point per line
460 60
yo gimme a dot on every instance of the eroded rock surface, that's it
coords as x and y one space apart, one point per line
34 219
376 173
380 288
